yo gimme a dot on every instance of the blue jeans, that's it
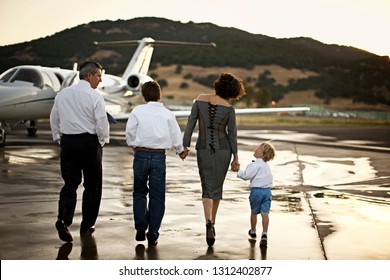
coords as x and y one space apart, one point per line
149 167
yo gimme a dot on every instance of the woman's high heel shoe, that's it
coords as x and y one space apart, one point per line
210 233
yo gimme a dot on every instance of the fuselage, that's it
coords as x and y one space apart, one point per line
28 92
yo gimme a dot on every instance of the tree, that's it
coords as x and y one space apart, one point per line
179 69
184 85
163 83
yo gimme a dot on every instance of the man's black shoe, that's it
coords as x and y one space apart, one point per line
63 231
140 236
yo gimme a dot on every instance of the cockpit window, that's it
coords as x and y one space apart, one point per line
7 75
30 76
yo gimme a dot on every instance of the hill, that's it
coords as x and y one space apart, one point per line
273 69
173 89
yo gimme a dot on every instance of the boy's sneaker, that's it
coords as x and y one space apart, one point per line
252 235
263 241
140 235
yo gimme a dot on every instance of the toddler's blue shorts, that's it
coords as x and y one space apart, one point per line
260 200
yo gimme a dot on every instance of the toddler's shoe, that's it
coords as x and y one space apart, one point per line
263 241
252 235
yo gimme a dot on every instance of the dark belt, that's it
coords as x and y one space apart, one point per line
81 135
143 149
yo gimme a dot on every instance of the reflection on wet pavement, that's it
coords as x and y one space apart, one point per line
254 248
64 251
88 247
328 198
290 202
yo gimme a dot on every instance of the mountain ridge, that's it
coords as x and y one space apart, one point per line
340 71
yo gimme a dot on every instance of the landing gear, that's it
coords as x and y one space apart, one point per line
2 137
6 127
31 128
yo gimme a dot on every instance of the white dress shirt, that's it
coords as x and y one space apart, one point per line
259 174
79 109
153 126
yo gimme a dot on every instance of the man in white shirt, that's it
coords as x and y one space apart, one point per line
150 130
79 123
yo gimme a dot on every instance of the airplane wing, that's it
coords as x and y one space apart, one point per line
248 111
245 111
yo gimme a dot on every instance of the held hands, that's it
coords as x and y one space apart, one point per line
235 166
184 153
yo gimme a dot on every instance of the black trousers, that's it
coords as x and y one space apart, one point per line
81 155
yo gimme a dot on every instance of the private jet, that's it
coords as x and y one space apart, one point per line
27 92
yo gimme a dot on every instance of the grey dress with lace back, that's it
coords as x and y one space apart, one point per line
216 142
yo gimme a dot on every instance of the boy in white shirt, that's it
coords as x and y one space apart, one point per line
151 130
261 181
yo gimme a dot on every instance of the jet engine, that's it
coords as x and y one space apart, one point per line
135 81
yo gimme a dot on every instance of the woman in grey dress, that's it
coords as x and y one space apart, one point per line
216 143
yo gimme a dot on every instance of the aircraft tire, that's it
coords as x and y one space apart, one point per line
3 137
32 131
32 128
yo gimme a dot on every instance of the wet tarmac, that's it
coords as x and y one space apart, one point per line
331 200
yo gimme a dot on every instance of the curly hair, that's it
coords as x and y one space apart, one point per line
268 151
229 86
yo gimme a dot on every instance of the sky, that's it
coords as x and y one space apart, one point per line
363 24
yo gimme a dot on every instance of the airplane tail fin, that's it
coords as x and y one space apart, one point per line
138 67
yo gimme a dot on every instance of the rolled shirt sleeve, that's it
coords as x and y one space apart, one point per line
102 124
55 122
